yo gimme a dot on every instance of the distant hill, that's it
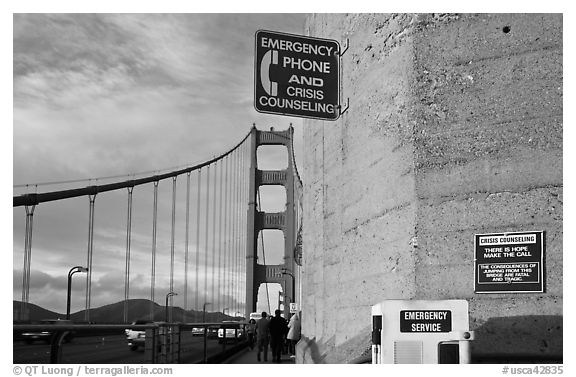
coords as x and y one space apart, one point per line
138 309
37 313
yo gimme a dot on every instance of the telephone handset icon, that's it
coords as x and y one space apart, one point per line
269 58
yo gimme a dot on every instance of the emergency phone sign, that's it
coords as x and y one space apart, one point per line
296 75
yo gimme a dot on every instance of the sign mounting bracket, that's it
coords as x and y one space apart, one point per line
346 108
346 47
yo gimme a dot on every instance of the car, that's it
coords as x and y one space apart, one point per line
212 332
137 338
234 331
46 335
197 331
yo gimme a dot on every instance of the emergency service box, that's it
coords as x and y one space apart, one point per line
421 332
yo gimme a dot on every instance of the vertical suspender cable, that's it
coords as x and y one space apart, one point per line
128 241
27 262
214 235
243 214
198 203
236 252
220 216
186 245
238 192
229 232
237 225
238 195
172 233
91 198
207 226
153 264
226 199
232 228
244 227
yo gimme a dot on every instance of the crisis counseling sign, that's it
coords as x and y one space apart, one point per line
296 75
509 262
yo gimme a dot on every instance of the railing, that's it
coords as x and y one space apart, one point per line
151 343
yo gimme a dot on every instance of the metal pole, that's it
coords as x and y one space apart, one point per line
169 294
72 271
205 358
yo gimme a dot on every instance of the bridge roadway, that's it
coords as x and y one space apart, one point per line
248 356
108 349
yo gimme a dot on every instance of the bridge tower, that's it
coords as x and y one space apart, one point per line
284 274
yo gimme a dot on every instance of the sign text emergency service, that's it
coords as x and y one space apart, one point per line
425 321
296 75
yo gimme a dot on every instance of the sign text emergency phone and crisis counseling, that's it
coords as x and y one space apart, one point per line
296 75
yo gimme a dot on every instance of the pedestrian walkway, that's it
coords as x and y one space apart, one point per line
248 356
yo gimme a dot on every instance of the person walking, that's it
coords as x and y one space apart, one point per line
278 330
250 330
294 333
262 333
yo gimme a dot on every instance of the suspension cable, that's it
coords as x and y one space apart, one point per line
233 233
213 253
226 230
186 240
244 225
206 233
238 238
128 241
172 236
35 198
237 244
197 266
220 216
153 262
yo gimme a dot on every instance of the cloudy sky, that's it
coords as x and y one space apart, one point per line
101 95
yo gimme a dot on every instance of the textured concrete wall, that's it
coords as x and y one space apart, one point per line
454 128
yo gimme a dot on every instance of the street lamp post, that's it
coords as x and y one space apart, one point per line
169 294
286 271
72 271
205 359
204 311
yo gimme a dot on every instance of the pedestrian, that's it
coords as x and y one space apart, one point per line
262 333
278 330
294 333
250 330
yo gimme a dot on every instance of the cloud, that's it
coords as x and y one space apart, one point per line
99 95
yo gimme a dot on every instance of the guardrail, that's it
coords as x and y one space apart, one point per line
162 342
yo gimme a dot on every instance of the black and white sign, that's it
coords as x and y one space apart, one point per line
296 75
425 321
509 262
